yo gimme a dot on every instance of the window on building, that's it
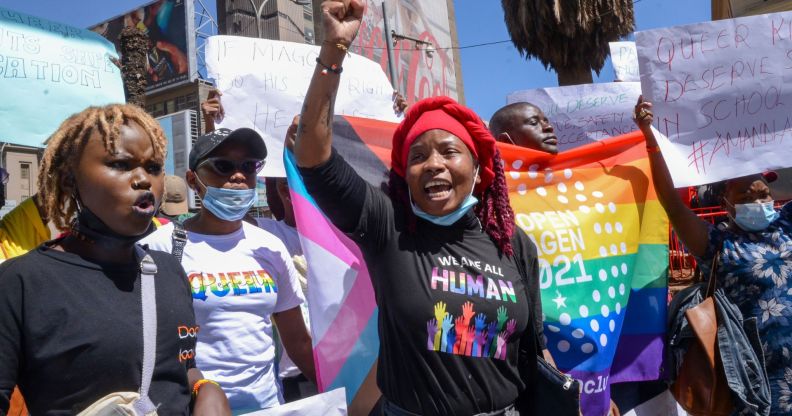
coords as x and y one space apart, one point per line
156 109
24 176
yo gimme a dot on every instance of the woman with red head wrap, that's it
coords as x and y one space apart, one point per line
444 256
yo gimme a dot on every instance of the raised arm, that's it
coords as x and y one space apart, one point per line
341 21
212 109
692 231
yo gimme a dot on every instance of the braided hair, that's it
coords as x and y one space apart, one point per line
56 181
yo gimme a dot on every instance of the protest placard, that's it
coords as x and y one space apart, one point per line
49 71
264 83
625 61
721 96
332 403
582 114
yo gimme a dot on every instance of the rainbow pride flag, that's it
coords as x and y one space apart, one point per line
602 239
601 234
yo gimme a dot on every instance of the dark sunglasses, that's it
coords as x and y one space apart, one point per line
223 166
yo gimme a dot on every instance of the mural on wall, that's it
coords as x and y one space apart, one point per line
420 74
166 24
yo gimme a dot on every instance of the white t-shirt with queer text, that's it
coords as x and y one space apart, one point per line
286 233
238 281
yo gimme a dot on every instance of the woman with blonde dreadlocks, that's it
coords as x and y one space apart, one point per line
71 321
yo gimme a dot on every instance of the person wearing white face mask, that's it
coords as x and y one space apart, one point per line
754 250
454 279
242 277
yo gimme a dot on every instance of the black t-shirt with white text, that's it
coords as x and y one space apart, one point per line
452 308
71 332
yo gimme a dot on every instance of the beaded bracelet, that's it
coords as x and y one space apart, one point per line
331 68
652 149
199 383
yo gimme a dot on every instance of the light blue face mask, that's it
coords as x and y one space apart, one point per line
452 217
755 216
228 204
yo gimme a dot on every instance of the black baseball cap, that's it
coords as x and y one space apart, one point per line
207 143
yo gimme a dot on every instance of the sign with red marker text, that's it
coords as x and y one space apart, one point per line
587 113
721 95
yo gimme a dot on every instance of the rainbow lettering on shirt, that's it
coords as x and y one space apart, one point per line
466 284
237 283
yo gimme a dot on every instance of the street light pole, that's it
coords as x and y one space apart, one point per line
260 9
389 45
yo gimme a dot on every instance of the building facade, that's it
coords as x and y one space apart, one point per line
727 9
22 164
423 70
286 20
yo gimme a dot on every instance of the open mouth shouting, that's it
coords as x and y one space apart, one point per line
145 205
437 189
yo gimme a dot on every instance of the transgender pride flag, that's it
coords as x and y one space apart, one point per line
340 297
601 235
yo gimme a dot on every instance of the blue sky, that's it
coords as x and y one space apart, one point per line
493 72
490 72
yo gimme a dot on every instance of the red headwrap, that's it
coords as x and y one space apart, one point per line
444 113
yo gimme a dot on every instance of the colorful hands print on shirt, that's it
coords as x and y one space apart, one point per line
502 317
440 311
469 336
431 329
446 327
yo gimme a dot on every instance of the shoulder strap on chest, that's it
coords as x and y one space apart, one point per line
148 269
178 240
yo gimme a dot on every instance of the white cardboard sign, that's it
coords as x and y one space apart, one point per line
625 61
582 114
721 94
264 83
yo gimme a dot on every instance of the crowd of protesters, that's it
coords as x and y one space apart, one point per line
231 334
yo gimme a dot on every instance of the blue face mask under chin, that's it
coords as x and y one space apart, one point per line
452 217
755 216
228 204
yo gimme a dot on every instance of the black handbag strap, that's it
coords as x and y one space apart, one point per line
179 240
519 260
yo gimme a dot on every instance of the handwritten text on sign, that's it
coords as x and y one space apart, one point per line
264 83
625 61
48 62
582 114
721 95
